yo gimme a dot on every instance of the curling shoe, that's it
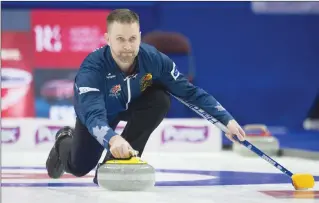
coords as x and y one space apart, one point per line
54 164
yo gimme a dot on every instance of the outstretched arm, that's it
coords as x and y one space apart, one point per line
195 97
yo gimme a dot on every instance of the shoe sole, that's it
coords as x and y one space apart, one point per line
54 166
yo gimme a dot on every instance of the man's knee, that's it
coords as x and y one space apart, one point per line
160 99
79 170
80 165
80 173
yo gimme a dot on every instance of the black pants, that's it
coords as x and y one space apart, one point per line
82 152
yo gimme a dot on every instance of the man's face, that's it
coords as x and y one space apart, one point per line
124 40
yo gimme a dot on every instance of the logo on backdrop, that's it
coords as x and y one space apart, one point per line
74 38
10 135
181 133
16 75
48 38
15 84
46 134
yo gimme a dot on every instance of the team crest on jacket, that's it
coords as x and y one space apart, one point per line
146 81
115 91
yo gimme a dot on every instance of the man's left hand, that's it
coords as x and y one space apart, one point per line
234 129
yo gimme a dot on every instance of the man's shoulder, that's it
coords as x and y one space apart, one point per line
149 51
96 60
96 56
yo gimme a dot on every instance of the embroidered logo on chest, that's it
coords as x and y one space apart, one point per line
146 81
115 91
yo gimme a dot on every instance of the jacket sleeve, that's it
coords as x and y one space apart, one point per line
90 106
194 97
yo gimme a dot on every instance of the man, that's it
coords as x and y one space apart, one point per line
125 80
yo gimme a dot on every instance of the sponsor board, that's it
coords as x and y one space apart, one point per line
53 92
16 75
172 135
74 38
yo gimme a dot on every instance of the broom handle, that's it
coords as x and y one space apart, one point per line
264 156
245 143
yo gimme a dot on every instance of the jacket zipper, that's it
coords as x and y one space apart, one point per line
128 92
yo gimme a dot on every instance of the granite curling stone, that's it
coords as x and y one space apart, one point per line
131 174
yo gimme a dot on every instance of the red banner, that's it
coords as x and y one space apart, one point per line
16 75
63 38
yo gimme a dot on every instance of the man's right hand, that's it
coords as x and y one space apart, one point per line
119 147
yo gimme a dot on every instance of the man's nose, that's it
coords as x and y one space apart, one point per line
127 46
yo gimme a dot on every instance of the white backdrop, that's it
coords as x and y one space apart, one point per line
172 135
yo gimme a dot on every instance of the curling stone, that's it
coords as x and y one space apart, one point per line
131 174
258 135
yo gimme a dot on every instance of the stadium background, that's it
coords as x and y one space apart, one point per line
260 61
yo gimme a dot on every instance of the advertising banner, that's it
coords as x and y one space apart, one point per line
53 90
63 38
16 75
172 135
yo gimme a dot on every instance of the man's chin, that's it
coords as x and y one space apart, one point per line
127 60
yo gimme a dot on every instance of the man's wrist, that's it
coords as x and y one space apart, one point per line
113 138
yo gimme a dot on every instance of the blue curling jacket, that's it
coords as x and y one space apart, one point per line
102 90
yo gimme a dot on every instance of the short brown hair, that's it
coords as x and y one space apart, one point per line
122 16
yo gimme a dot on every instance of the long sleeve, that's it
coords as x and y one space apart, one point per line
193 96
90 106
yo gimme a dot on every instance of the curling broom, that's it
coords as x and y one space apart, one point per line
300 181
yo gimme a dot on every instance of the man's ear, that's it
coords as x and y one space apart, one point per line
107 38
